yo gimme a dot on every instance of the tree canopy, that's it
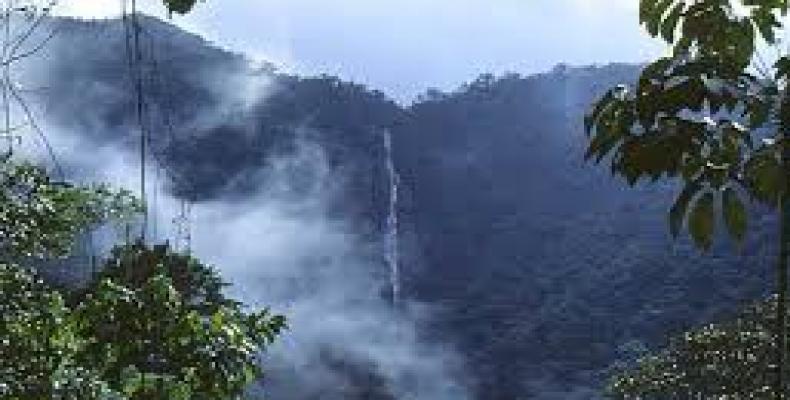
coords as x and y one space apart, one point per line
179 6
156 312
700 114
40 218
712 114
152 324
727 359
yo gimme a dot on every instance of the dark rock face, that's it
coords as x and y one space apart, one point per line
539 264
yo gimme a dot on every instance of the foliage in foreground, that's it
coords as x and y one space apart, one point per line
179 6
143 330
154 324
164 314
40 218
39 344
711 115
727 360
702 114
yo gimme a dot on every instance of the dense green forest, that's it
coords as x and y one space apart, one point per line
705 114
538 291
544 276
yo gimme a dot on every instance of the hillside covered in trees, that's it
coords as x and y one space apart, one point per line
534 268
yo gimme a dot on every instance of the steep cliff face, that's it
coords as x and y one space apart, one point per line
536 265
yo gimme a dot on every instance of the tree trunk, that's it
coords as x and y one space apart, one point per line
781 281
784 240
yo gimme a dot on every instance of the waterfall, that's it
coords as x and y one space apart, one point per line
391 229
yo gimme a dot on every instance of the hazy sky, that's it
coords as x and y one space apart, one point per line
406 46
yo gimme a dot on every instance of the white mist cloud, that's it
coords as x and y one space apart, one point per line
280 249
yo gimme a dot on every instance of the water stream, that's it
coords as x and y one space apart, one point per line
391 229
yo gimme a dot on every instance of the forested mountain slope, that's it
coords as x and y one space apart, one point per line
536 265
545 264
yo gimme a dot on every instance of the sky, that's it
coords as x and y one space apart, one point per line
404 47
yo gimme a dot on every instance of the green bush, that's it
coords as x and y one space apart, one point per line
154 324
731 359
40 218
39 345
164 315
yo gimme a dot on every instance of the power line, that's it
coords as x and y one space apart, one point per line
138 57
145 72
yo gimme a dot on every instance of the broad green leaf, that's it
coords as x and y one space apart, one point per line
734 214
782 67
763 175
671 22
766 22
654 15
677 214
701 221
591 119
646 9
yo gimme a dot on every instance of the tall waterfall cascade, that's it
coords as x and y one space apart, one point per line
391 229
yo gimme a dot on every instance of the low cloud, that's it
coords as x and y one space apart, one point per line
280 246
281 249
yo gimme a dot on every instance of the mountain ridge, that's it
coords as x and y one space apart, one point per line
537 264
